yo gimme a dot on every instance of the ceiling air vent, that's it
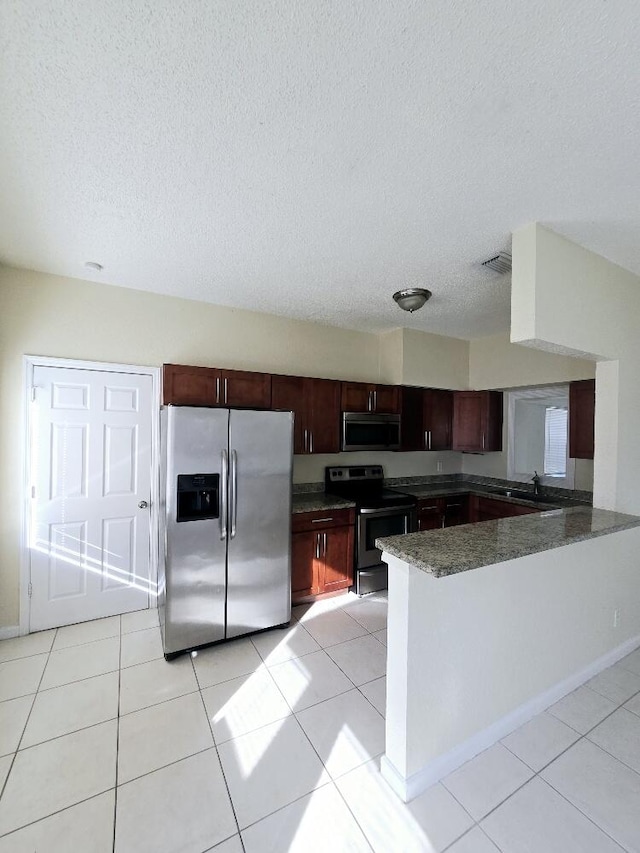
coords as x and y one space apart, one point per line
499 263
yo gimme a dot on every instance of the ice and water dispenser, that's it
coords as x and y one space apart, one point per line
198 496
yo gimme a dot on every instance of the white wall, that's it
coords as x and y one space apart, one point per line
467 650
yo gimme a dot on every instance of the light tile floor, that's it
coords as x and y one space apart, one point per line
273 743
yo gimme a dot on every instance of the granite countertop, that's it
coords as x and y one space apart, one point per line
318 502
428 490
450 550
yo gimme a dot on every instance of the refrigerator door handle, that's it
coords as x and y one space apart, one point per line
224 495
233 496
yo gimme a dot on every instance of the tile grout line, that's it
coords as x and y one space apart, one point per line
215 746
56 812
35 696
115 793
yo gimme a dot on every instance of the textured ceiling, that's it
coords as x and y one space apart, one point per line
310 158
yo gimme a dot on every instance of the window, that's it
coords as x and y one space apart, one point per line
556 421
538 429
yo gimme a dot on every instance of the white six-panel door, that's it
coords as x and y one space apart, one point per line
91 470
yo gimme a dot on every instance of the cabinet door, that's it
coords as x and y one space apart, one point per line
356 397
323 407
456 510
430 514
438 418
189 386
288 394
477 421
411 410
245 389
582 406
338 557
467 420
386 399
305 565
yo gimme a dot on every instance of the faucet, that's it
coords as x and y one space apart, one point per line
536 483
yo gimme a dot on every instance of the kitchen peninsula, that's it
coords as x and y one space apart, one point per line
491 623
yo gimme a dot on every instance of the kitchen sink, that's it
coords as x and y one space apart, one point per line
526 496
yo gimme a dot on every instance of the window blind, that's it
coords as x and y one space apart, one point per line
555 441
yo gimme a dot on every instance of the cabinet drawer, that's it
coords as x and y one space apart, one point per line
321 520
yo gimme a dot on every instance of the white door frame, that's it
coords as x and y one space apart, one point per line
29 363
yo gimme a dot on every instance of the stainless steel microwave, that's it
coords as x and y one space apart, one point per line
370 431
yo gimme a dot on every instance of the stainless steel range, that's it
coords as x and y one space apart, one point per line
380 512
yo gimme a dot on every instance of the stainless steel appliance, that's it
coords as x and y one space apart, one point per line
225 544
370 431
379 512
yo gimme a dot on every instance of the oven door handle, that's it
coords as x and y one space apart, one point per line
387 510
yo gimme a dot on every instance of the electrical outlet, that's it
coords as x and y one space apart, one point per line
439 467
616 618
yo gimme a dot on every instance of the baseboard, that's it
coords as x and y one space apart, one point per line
409 787
9 631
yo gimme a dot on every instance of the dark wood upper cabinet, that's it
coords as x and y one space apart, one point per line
364 397
582 406
245 389
189 386
438 418
183 385
288 394
316 407
426 418
477 421
323 396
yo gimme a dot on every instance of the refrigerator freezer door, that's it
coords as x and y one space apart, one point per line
195 550
259 555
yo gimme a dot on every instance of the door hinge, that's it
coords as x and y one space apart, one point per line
30 589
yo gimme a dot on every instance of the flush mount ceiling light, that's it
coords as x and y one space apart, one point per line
412 298
93 265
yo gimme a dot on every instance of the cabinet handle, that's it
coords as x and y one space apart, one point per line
225 391
369 399
217 390
422 508
321 520
324 544
375 401
310 441
306 440
317 546
450 505
429 439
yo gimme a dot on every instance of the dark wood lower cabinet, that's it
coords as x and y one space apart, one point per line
443 512
322 553
430 514
490 509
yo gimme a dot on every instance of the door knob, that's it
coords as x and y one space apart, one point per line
143 504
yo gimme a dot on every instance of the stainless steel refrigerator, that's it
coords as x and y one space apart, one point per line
225 543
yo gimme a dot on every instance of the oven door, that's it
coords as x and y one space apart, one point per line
376 523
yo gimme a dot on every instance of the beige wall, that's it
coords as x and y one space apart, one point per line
52 316
434 361
494 362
